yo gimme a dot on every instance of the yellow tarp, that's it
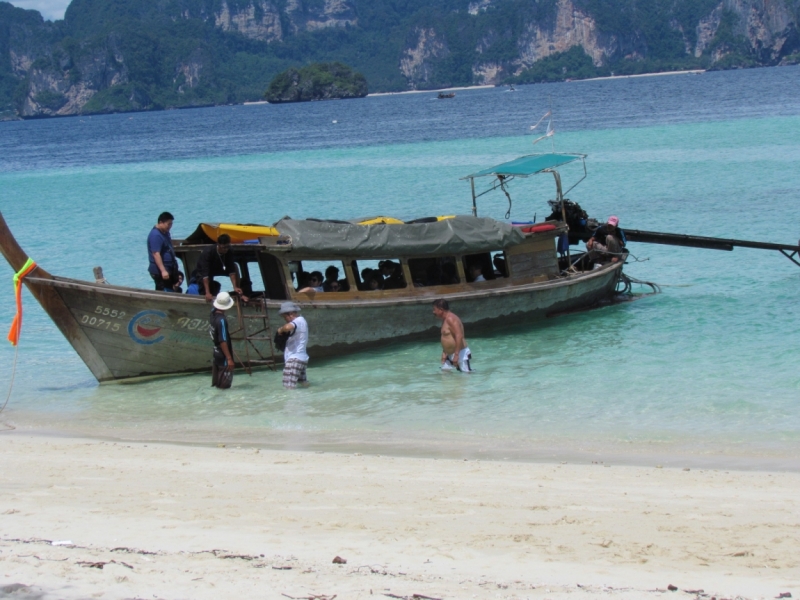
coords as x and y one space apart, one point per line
239 233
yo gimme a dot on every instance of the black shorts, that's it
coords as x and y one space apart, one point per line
220 376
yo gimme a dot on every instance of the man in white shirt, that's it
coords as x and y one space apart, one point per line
295 358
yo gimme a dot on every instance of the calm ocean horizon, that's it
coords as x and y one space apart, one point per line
704 373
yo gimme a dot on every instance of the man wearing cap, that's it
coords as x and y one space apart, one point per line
295 358
607 242
222 359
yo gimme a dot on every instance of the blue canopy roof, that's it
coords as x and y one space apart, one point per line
524 166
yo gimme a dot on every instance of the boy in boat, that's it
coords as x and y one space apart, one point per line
222 359
295 358
163 267
455 352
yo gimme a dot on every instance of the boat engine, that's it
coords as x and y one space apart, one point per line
581 227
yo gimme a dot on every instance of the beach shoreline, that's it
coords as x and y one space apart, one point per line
686 453
436 91
483 87
122 519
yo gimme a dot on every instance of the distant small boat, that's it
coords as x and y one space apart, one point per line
443 96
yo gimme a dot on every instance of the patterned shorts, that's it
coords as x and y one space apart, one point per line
294 372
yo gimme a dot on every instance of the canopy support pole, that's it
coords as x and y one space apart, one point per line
474 203
560 199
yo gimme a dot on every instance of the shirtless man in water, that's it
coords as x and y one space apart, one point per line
455 352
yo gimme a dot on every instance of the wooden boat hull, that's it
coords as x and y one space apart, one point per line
122 333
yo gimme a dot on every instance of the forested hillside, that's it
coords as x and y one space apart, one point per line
120 55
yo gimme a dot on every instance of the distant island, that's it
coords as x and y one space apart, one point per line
318 81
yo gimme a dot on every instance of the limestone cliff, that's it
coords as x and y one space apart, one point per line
259 20
110 55
426 47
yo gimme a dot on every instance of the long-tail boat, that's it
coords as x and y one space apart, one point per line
490 271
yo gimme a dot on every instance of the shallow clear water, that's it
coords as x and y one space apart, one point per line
704 373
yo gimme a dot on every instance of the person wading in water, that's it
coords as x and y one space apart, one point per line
455 352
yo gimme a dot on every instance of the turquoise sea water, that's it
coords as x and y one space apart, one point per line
703 373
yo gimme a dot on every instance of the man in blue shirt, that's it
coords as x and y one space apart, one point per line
163 266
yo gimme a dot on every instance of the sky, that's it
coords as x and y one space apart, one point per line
51 10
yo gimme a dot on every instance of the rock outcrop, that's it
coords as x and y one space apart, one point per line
319 81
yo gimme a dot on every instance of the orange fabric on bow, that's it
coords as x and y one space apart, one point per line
16 325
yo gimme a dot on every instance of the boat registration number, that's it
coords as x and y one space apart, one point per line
109 312
103 323
99 323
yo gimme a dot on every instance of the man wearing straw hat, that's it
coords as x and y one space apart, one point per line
295 358
222 360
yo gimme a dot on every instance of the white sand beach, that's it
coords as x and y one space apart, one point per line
436 91
100 519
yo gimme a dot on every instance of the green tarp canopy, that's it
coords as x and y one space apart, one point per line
525 166
457 236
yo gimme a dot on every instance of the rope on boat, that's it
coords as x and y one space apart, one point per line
16 324
10 387
627 282
502 180
16 329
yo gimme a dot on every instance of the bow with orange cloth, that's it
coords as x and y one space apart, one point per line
16 325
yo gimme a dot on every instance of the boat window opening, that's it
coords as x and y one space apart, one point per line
251 281
479 267
499 264
440 270
189 259
373 275
272 276
320 276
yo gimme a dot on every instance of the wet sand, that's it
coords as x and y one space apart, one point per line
87 518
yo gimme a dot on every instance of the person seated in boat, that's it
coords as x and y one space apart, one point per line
450 274
499 266
374 281
215 260
314 282
366 273
476 273
392 275
331 274
331 286
607 242
163 265
176 287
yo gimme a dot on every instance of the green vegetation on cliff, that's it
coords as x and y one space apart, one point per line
122 55
318 81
